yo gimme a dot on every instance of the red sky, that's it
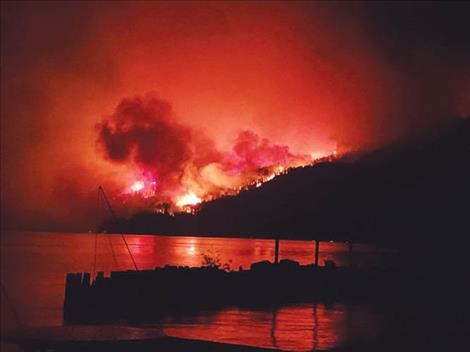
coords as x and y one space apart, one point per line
304 75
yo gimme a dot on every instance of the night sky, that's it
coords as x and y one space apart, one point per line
309 77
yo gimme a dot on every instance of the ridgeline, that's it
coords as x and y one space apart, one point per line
412 191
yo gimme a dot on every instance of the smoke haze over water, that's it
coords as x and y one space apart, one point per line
305 76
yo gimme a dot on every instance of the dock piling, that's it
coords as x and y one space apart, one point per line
276 251
317 251
350 253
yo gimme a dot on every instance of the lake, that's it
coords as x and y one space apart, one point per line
34 266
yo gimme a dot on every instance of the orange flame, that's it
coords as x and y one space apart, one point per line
189 200
136 186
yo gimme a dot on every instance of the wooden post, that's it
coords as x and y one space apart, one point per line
276 251
350 253
317 250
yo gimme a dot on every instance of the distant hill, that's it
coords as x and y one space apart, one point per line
414 190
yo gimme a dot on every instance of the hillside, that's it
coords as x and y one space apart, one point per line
411 191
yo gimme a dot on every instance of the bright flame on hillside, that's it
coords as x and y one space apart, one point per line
137 186
188 199
170 167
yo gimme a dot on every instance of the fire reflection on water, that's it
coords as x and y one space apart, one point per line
303 327
34 266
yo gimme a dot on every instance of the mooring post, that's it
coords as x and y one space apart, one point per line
276 251
350 253
317 251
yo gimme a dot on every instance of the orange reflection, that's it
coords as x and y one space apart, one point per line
295 328
34 266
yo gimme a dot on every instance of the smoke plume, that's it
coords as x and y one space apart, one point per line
172 160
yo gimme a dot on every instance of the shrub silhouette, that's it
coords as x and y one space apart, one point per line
212 260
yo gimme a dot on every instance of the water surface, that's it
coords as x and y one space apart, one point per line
34 266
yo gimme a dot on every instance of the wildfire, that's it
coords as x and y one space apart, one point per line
170 167
188 199
145 187
136 186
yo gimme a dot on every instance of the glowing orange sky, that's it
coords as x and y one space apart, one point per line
306 75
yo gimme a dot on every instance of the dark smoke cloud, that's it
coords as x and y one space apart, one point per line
425 47
142 132
253 152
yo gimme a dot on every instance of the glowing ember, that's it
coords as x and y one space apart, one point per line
137 186
188 199
269 178
144 188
